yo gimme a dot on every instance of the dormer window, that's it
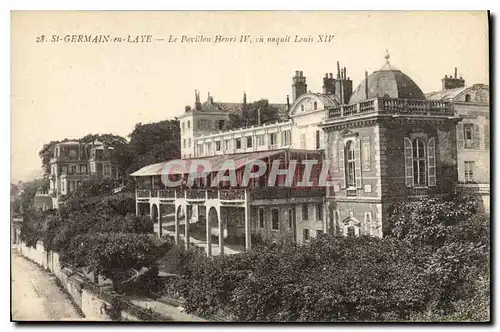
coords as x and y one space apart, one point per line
467 98
302 108
315 106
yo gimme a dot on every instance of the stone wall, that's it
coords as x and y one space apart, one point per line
95 302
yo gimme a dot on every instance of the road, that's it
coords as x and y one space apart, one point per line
36 295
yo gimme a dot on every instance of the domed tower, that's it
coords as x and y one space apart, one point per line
388 144
389 82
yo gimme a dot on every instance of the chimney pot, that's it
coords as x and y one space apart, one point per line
296 73
301 73
326 75
331 76
455 72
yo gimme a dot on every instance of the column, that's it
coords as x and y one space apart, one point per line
186 225
248 241
176 220
221 232
160 229
209 233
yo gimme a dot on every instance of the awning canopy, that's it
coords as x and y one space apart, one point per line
214 164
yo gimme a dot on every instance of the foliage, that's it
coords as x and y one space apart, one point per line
154 142
434 269
23 194
248 116
427 221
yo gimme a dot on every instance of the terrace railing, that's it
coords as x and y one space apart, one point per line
391 106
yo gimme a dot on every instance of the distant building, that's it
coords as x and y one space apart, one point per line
74 162
472 104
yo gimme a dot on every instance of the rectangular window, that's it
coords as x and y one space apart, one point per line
303 141
226 144
83 169
319 211
469 171
73 169
260 140
318 143
183 143
285 138
189 142
305 212
238 143
107 169
183 126
189 124
261 218
469 135
275 219
200 149
272 139
290 219
217 146
249 142
305 235
209 148
221 124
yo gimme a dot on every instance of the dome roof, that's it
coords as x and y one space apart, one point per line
387 81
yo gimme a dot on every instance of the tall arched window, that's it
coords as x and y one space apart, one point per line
315 105
350 165
419 170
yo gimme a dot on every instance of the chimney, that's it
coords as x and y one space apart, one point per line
244 98
328 84
452 82
366 84
299 86
197 102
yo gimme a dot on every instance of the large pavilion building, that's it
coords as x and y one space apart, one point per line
384 142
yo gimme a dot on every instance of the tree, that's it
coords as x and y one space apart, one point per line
248 116
153 143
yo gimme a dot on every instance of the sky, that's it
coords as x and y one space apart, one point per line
70 89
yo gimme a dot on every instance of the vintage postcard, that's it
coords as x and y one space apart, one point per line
250 166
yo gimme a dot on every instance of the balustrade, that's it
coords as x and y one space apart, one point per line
166 193
143 193
391 106
232 194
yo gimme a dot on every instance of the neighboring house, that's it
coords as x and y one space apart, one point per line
384 142
74 162
472 104
43 201
209 118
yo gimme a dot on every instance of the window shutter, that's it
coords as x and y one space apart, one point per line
357 159
486 137
408 162
431 158
342 164
477 137
460 135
